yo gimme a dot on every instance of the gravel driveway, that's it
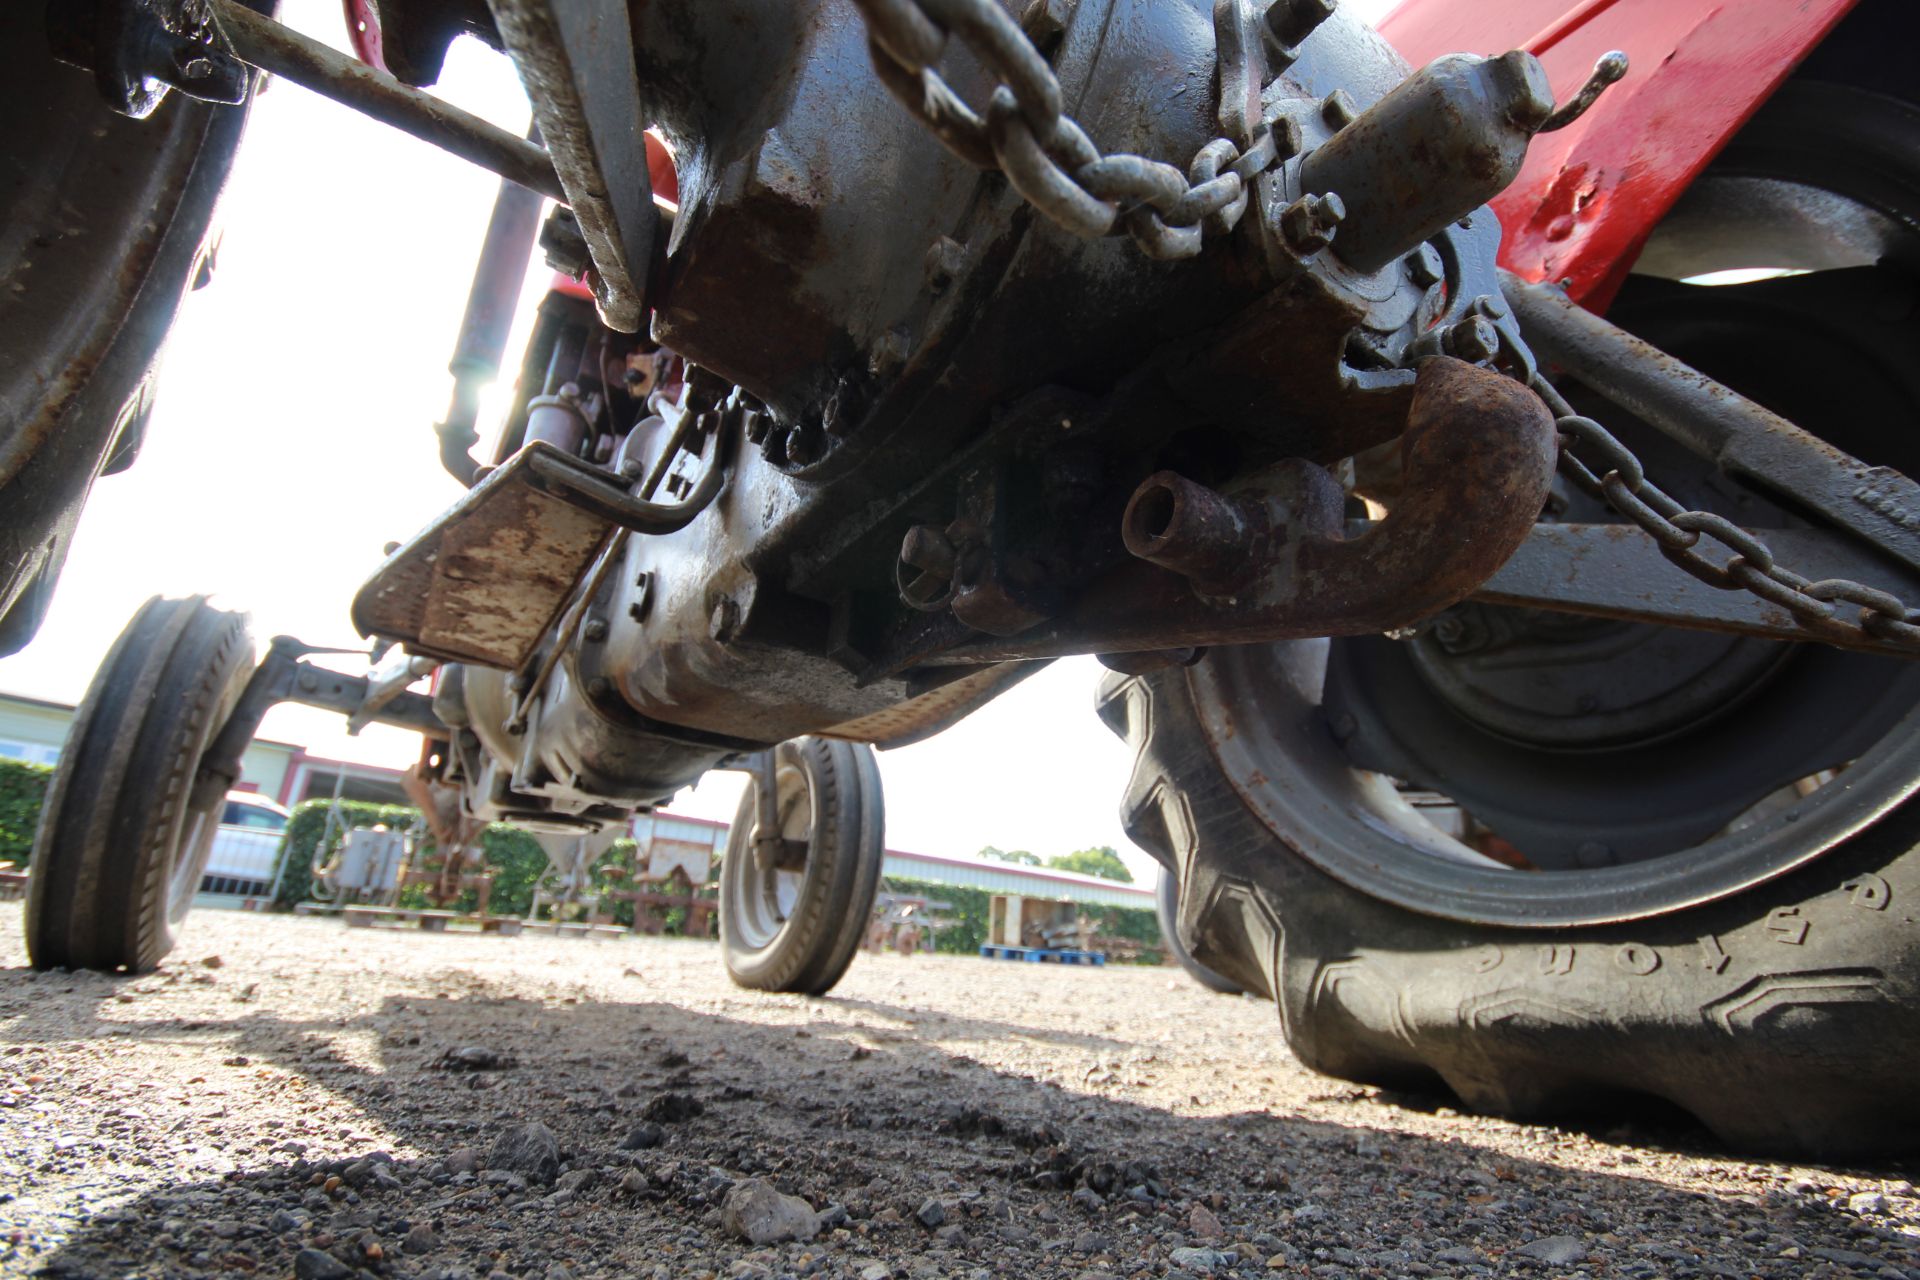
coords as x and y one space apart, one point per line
287 1097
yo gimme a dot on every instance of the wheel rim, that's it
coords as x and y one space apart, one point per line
189 864
764 897
1260 710
1290 713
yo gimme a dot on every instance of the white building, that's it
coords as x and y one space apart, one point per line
35 730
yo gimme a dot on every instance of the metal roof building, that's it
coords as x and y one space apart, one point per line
959 870
1006 877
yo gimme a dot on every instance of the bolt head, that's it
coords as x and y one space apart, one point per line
945 257
890 353
1338 109
1044 22
1523 82
806 444
929 550
1309 222
1424 266
1474 340
1292 21
599 687
595 630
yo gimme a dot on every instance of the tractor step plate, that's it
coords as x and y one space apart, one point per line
487 579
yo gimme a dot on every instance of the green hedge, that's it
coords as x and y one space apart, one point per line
22 788
970 908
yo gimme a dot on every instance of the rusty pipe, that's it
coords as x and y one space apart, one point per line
1479 453
1478 456
1203 536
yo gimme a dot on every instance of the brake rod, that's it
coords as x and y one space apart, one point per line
1877 504
277 48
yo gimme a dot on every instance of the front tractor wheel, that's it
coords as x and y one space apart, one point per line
123 839
795 893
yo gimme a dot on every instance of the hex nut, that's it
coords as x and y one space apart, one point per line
1308 224
1473 340
1424 266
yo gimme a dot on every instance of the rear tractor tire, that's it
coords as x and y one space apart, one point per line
1166 908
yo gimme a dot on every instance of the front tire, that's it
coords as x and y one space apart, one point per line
121 843
796 927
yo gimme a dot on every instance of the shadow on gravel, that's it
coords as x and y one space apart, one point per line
926 1163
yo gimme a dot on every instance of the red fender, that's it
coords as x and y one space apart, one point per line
1590 194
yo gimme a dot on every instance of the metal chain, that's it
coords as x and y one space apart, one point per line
1678 532
1045 154
1050 161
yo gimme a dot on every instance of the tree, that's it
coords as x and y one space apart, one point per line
1100 861
1019 857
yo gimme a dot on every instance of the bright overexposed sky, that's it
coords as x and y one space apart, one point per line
292 439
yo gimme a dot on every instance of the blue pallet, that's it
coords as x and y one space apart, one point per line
1041 955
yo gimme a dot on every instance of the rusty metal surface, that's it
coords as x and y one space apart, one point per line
576 59
918 719
1618 571
1478 455
272 47
486 580
1214 541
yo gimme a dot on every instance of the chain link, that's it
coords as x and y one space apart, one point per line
1678 532
1045 154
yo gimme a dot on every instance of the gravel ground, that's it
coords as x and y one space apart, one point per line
286 1097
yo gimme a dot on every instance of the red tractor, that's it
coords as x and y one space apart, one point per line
1487 482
